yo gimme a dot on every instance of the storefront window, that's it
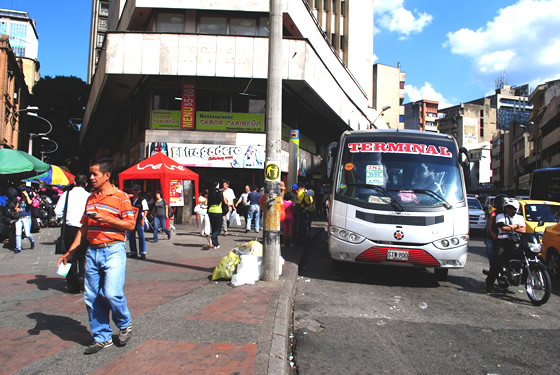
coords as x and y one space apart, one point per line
263 27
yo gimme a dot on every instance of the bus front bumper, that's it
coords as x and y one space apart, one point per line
423 256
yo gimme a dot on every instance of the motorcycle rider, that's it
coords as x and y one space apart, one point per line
507 222
492 227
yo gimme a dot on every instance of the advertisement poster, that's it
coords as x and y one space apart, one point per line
176 193
163 119
374 175
226 121
187 106
470 131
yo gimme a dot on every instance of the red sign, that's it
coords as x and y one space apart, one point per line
187 106
400 148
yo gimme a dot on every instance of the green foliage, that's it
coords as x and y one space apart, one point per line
62 101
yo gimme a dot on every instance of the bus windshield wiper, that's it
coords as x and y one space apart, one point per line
382 190
434 195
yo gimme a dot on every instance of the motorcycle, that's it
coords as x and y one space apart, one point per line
525 267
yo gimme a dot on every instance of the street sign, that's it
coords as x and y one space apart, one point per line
272 171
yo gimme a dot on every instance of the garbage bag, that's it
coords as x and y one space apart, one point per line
249 248
226 268
248 271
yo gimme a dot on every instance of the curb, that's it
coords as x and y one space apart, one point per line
276 361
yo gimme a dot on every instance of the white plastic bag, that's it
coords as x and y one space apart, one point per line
234 219
249 270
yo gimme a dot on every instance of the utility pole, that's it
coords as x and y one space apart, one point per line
272 171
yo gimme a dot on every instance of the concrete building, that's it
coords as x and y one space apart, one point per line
99 27
388 90
24 41
13 96
421 115
190 79
544 126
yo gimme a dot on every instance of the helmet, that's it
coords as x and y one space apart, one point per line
512 202
499 200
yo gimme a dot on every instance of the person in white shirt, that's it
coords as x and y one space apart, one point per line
76 206
508 222
142 205
229 197
244 203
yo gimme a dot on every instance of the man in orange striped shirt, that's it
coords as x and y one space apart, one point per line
108 215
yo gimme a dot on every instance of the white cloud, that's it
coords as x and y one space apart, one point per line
521 40
392 16
427 92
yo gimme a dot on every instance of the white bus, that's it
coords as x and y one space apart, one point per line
399 197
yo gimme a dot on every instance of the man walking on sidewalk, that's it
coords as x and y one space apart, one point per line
107 217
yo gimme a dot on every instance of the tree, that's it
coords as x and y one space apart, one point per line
62 101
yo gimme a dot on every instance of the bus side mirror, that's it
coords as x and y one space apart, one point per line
332 154
466 164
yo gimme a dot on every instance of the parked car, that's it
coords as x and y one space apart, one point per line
477 216
539 215
550 251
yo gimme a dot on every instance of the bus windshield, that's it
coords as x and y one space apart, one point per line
400 174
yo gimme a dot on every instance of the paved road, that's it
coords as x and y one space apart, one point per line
372 320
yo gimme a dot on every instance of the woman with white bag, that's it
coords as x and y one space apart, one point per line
202 210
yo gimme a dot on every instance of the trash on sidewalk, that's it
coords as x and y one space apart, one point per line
243 264
226 268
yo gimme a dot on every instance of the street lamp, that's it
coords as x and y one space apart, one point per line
372 124
51 151
31 135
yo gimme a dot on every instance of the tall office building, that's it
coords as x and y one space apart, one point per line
24 41
190 78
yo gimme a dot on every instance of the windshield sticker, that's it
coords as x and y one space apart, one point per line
400 148
408 196
380 200
374 175
348 166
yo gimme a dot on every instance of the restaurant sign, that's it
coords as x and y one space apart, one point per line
226 121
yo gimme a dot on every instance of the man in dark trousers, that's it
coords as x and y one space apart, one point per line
142 205
77 199
108 216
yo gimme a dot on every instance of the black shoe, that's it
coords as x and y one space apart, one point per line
97 346
142 256
169 235
17 251
32 245
132 255
125 335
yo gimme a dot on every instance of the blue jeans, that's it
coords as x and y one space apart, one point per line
157 221
254 211
103 284
24 223
141 240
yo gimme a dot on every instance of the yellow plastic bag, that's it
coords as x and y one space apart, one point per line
249 248
226 268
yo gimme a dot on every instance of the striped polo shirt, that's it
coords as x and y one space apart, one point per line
115 203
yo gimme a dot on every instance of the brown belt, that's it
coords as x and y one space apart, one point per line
104 244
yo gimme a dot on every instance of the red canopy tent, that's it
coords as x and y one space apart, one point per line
159 167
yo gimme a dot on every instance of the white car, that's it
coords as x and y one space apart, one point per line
477 216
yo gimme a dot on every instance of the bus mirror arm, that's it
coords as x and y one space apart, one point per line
466 164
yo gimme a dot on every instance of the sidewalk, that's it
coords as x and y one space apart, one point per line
183 322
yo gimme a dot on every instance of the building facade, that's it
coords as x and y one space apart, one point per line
421 115
388 90
192 82
24 42
13 96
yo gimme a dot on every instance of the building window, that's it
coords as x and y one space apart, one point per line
169 99
481 128
212 25
103 25
170 22
242 26
104 9
100 39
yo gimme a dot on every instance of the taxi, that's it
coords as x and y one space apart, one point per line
539 215
551 249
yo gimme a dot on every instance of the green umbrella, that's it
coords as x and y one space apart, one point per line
14 161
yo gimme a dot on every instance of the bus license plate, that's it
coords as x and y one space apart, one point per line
397 255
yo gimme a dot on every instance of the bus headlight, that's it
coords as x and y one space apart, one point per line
345 235
451 242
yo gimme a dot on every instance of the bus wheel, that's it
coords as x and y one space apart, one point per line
441 274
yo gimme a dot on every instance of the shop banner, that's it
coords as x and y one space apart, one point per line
217 156
163 119
187 106
176 193
226 121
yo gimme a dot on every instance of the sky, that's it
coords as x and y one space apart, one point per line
451 51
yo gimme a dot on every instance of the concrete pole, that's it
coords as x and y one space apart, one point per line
273 199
